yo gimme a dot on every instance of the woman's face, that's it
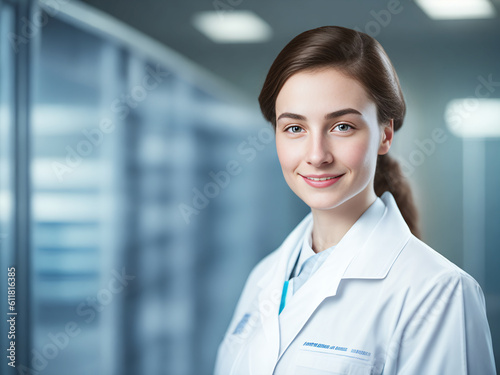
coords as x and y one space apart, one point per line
328 138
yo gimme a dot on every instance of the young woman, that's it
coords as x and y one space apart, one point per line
352 290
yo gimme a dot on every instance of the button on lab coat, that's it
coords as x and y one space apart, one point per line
382 303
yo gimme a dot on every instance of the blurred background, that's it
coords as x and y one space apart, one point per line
139 183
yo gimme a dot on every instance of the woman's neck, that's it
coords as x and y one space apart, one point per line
331 225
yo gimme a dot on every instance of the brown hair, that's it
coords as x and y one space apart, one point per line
362 58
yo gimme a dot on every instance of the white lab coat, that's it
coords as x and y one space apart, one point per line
386 303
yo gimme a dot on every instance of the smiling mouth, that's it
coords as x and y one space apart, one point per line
321 178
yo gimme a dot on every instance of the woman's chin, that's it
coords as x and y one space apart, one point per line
322 205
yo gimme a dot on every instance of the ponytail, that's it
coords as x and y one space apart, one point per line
388 177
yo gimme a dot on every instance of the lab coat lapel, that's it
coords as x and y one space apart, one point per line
375 259
264 355
367 250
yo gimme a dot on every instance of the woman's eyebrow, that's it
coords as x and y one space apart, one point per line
328 116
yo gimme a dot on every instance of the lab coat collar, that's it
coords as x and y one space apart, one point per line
376 243
377 252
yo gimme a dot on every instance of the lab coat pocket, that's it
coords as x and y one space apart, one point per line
318 363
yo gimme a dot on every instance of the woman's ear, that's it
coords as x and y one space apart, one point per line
387 135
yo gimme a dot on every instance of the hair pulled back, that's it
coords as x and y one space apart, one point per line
362 58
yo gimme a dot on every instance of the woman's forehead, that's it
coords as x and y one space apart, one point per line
322 92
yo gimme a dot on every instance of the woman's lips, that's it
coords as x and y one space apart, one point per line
321 181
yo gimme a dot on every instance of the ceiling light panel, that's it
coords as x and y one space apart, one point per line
235 26
474 118
457 9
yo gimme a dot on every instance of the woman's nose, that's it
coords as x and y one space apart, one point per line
319 151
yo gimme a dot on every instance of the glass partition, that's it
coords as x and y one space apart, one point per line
148 182
7 167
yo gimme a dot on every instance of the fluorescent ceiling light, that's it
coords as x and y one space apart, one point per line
474 118
235 26
457 9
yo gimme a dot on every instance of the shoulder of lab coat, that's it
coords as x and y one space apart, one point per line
442 326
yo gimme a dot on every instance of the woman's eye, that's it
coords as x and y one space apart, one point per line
294 129
343 127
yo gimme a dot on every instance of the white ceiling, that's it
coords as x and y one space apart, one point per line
409 32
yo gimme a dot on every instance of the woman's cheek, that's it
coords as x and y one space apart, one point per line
286 148
355 155
285 156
